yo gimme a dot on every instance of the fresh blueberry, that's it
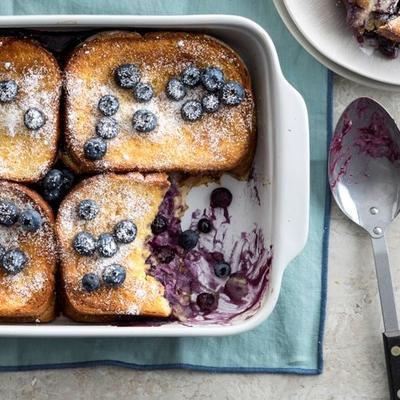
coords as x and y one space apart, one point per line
221 197
90 282
8 91
127 75
207 302
192 110
212 79
34 119
159 225
164 254
95 148
8 213
56 183
67 180
125 231
204 225
210 103
88 209
30 220
106 245
188 239
191 76
53 179
222 269
144 121
14 261
108 105
232 93
114 275
143 92
52 195
2 252
107 128
175 89
236 287
84 244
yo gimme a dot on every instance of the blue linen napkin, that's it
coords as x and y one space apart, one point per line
290 341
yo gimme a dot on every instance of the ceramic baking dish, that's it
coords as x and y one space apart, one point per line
281 165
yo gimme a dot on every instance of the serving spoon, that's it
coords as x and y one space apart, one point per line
364 177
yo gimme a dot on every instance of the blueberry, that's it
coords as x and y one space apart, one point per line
14 261
175 89
114 275
125 231
207 302
192 110
34 119
143 92
210 103
52 195
222 269
188 239
107 128
159 225
67 180
204 225
2 252
56 183
106 245
90 282
84 244
164 254
8 91
221 197
232 93
108 105
8 213
236 287
144 121
191 76
53 180
95 148
30 220
127 75
88 209
212 79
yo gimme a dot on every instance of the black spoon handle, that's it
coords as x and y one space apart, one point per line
391 341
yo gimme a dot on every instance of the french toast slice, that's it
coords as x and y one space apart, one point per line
217 141
27 292
30 88
117 198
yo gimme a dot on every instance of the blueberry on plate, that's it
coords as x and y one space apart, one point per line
232 93
88 209
108 105
159 225
34 119
125 231
95 149
106 245
175 89
84 244
114 275
30 220
127 75
210 103
143 92
222 269
8 91
212 79
188 239
14 261
107 128
191 76
192 110
90 282
164 254
144 121
236 287
8 213
204 225
207 302
221 197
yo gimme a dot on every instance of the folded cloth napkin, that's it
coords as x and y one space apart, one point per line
290 340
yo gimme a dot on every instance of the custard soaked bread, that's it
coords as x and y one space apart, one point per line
164 101
102 226
30 86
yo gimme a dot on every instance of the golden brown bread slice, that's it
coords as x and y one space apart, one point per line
27 154
119 197
217 142
29 295
390 30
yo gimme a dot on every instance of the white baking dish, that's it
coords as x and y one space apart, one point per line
282 160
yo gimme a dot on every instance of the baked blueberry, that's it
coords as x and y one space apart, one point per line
88 209
30 220
143 92
212 79
8 91
84 244
34 119
125 231
114 275
188 239
204 225
106 245
2 252
210 103
144 121
192 110
164 254
236 287
90 282
207 302
175 89
108 105
191 76
159 225
127 75
14 261
232 93
222 269
221 197
95 149
107 128
8 213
